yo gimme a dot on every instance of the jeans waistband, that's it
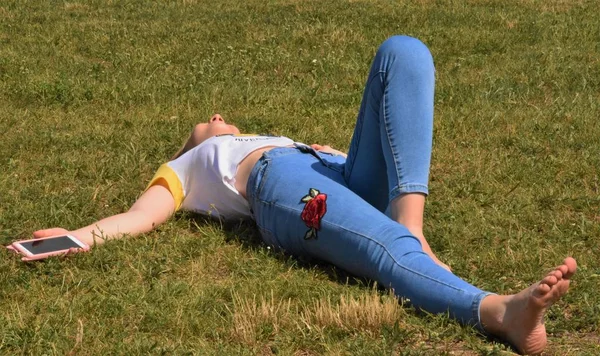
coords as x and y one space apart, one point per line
298 149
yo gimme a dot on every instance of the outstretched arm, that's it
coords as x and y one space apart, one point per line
153 208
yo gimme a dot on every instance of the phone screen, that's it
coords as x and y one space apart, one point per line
49 245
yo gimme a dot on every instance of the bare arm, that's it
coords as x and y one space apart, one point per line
153 208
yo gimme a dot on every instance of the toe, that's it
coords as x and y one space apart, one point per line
558 274
550 280
571 267
542 289
564 269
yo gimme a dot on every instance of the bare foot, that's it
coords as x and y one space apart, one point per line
519 318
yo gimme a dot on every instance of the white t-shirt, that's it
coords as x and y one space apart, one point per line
203 179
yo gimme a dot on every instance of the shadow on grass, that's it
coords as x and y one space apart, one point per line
246 234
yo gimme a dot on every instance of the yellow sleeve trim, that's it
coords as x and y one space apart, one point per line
166 177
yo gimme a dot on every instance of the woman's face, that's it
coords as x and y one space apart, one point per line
215 126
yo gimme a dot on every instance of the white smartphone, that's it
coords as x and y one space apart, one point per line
37 249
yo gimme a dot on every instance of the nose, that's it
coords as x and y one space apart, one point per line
215 118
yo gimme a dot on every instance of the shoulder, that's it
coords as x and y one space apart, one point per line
168 178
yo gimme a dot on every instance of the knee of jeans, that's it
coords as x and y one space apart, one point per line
404 247
408 52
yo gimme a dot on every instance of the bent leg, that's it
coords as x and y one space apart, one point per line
389 157
390 150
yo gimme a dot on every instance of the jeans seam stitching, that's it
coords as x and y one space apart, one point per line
387 136
361 114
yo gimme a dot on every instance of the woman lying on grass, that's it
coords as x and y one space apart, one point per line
315 201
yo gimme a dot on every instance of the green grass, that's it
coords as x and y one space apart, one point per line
95 95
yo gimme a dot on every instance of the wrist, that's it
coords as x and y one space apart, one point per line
84 237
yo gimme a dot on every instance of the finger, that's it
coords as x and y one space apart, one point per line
49 232
316 146
74 250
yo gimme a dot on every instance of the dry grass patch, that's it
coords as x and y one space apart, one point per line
251 317
368 313
72 6
255 319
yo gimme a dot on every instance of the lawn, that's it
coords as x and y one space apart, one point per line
95 95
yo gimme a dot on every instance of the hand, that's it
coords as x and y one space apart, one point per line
47 233
56 231
327 149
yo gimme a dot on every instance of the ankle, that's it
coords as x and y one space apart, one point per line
491 312
408 210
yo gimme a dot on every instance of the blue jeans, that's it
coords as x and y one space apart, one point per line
323 206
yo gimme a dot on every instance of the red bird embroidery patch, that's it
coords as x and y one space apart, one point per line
314 209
